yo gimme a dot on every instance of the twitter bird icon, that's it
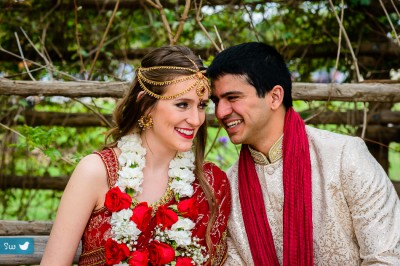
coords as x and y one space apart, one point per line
24 246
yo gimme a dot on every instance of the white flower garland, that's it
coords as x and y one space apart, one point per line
130 179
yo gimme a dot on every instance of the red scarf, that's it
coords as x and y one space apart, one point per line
297 208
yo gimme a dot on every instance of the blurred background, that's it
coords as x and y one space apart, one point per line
65 63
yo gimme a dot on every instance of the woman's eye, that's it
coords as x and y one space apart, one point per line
203 105
182 105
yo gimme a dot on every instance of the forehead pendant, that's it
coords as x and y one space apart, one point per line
201 88
200 81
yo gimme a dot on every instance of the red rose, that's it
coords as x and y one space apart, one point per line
161 253
117 200
139 258
184 261
189 208
166 217
141 215
115 252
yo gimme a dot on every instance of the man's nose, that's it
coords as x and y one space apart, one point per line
222 110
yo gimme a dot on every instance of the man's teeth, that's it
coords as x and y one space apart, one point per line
233 123
185 131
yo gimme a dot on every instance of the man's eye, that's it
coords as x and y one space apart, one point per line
232 98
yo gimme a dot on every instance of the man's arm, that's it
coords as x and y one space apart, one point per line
233 258
373 203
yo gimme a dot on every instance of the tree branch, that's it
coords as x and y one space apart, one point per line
198 20
102 39
359 78
182 21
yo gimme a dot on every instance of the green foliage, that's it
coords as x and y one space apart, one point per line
361 2
304 31
38 137
220 150
394 159
31 205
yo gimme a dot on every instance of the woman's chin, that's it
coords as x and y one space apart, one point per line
185 148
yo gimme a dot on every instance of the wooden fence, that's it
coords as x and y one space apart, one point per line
382 126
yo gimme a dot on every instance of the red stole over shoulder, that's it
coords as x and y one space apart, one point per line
297 208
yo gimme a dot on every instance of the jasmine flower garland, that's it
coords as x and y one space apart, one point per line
127 224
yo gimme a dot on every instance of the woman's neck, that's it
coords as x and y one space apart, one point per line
157 157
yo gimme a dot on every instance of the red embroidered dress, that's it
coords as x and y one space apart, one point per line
98 229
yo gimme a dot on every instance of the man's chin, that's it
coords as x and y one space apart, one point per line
235 140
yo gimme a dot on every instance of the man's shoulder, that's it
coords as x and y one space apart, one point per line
326 137
332 144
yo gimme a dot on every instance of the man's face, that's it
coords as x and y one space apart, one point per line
242 113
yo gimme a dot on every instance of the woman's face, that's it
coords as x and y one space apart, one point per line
176 121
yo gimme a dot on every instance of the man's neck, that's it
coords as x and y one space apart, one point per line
273 154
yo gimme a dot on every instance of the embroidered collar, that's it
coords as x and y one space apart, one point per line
275 153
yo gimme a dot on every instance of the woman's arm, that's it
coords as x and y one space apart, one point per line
84 192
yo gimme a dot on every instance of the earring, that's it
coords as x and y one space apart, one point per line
145 122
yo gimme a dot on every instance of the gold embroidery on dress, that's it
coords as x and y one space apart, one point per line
274 154
95 257
167 197
93 251
101 209
221 251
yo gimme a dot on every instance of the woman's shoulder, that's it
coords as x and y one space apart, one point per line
91 166
215 176
109 158
99 164
211 168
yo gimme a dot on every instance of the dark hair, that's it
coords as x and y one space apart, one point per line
131 108
261 64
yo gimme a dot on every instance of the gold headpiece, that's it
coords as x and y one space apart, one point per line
201 83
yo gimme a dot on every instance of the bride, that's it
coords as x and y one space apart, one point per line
148 198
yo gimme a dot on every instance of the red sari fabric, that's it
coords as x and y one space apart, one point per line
98 229
297 208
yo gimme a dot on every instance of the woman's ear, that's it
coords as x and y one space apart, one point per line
140 95
276 95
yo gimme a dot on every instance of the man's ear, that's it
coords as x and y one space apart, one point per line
276 95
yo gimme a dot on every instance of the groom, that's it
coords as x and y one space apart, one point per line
304 196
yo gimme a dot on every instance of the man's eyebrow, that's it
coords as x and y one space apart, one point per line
229 93
214 98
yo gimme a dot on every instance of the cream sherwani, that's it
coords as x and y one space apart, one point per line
356 211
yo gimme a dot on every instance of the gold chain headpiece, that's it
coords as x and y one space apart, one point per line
201 83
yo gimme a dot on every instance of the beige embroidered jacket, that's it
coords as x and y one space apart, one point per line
356 211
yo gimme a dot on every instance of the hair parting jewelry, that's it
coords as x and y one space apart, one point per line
201 82
145 122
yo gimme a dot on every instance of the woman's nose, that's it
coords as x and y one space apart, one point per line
196 117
